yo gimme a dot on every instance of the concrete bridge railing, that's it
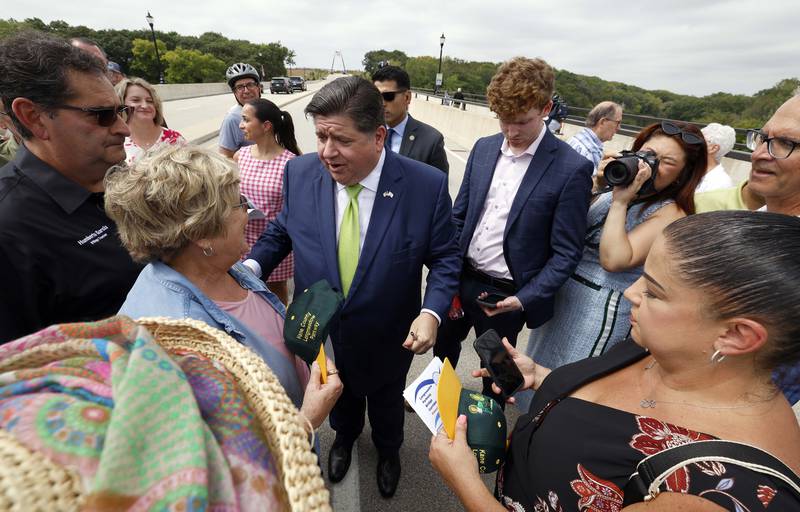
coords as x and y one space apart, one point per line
169 92
467 126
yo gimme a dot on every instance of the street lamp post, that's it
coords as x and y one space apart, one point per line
150 20
439 74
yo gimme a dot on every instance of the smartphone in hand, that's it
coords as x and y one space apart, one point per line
498 362
491 300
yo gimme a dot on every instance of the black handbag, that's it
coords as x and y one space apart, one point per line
651 472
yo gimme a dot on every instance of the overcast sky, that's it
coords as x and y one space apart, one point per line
687 46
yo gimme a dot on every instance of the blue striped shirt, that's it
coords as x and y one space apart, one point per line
588 144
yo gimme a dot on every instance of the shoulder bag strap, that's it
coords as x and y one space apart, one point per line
652 471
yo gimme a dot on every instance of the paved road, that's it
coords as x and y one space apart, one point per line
420 487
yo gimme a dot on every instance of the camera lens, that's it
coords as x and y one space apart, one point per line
621 171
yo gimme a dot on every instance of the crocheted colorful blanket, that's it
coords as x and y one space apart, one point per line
145 430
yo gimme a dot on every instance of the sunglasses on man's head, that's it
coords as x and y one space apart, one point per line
389 96
673 129
106 116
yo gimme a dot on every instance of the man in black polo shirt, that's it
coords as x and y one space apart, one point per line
60 258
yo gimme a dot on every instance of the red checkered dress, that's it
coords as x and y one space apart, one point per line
262 183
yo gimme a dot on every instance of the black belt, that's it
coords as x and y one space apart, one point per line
504 285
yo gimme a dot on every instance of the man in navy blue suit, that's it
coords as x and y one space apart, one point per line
367 220
521 212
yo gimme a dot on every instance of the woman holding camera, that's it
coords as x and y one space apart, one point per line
590 312
707 331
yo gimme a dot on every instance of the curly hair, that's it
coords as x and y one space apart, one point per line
170 198
519 85
122 89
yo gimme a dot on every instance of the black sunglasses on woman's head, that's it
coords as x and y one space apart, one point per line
673 129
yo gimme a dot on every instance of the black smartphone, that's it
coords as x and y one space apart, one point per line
498 362
491 300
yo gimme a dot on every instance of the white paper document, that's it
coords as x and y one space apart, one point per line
421 394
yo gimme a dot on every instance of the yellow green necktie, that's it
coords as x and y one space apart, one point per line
349 238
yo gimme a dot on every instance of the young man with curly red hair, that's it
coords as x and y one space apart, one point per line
521 212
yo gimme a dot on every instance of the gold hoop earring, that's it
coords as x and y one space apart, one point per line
208 251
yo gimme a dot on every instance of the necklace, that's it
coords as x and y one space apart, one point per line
650 403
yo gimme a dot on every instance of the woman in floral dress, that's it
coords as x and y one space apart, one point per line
707 331
145 119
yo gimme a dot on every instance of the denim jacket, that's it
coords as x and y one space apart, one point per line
162 291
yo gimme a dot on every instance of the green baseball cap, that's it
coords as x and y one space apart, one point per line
486 422
308 320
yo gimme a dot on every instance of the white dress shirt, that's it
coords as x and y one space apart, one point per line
397 139
366 199
485 251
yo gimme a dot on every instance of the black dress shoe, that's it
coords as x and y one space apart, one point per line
339 461
388 475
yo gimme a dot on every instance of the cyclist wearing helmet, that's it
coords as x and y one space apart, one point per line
244 82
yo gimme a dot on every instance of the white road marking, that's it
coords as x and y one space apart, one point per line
455 155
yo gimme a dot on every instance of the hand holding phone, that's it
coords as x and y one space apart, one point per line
498 363
491 299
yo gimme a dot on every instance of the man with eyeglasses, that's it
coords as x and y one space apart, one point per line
775 176
405 135
60 258
602 123
245 83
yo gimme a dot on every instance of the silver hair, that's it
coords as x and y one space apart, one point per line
603 110
722 135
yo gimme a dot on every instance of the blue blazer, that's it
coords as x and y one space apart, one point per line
543 239
410 226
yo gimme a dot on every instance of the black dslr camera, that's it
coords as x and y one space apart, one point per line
621 171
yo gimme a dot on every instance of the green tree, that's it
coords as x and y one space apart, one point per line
144 63
422 71
374 59
289 59
192 66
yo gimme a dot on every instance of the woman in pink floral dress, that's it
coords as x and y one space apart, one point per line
261 172
713 315
145 119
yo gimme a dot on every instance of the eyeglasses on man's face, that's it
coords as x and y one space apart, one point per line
389 96
778 147
244 87
105 116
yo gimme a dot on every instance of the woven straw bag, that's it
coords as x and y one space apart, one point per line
29 481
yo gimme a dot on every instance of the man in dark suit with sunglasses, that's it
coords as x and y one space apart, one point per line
406 135
60 257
